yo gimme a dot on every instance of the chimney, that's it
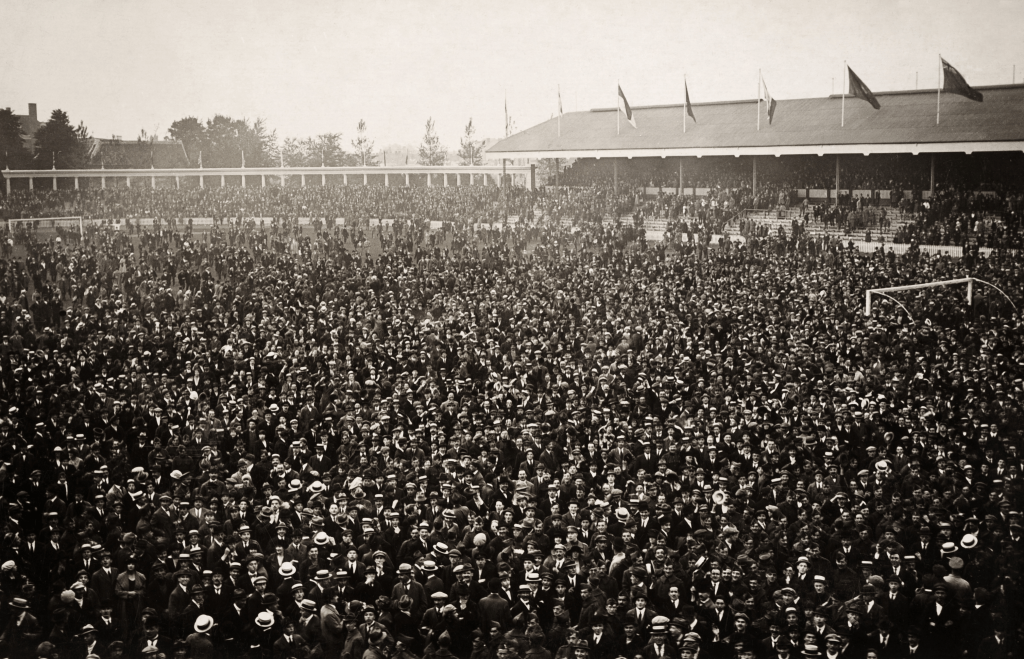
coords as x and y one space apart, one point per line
32 111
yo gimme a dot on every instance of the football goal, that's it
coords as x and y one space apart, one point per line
46 223
969 281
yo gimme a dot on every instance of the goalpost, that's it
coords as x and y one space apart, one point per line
48 223
884 292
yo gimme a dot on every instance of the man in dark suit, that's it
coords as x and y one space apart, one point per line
104 578
331 626
885 643
939 618
232 622
999 645
153 638
659 648
87 643
108 627
494 608
601 641
643 616
309 623
23 631
291 643
894 604
218 596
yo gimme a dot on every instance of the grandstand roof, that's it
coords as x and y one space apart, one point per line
904 124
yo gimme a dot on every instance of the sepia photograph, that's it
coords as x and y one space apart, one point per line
526 330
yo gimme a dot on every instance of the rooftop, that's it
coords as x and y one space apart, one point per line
905 123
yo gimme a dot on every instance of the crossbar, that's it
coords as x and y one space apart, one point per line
933 284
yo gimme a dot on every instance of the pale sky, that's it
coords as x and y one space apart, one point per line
310 67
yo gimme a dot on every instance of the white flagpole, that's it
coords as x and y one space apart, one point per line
559 110
842 122
617 110
759 99
938 90
686 105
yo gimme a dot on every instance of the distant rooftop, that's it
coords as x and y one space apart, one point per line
905 123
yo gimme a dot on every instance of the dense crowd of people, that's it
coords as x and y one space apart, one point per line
542 439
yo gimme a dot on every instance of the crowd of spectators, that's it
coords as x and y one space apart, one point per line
980 202
540 439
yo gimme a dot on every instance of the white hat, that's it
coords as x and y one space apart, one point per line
204 623
265 619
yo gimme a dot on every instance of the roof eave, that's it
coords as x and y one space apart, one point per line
777 151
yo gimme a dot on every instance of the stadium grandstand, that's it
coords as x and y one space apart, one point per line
919 156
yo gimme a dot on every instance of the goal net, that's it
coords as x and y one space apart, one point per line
935 301
44 228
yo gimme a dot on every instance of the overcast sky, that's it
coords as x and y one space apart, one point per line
310 67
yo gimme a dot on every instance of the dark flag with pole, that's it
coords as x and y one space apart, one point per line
689 107
954 83
860 90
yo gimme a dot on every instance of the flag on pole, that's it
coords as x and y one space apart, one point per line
769 101
860 90
689 108
506 118
626 110
954 83
559 110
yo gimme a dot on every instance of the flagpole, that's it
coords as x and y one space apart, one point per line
938 93
617 120
559 110
842 121
686 106
759 99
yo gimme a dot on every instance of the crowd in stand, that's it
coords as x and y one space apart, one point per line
981 205
530 440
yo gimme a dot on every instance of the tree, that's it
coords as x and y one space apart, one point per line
58 143
325 149
293 153
470 153
192 134
12 142
363 146
259 144
224 142
431 151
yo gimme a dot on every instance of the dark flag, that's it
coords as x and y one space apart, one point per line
860 90
954 83
770 102
689 108
626 110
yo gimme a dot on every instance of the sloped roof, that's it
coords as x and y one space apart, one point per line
163 154
905 123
